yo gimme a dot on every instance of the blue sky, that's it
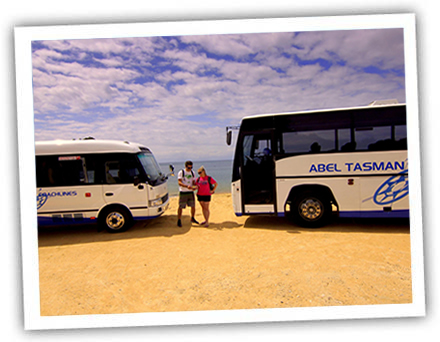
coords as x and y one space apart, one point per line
177 94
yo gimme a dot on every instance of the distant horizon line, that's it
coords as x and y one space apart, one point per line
195 161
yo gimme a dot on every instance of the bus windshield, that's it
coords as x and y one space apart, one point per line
151 168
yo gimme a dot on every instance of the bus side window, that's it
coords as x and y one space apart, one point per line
112 172
373 138
71 172
128 171
54 171
310 141
343 139
90 163
400 137
121 172
45 172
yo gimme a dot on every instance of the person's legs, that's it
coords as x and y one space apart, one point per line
180 210
193 213
205 210
202 205
179 216
192 204
206 213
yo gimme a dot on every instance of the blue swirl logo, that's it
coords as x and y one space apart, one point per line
393 189
41 199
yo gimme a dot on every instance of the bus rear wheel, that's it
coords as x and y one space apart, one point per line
115 220
311 210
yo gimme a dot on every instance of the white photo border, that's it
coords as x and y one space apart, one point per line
29 232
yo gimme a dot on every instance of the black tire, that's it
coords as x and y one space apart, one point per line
115 219
311 210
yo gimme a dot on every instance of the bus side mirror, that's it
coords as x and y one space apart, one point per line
228 137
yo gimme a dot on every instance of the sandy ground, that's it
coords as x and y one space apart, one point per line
236 263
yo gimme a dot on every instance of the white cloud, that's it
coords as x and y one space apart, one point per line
232 45
360 48
176 98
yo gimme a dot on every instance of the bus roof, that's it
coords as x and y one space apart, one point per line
375 104
86 146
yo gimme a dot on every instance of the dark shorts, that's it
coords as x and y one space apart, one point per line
204 198
186 199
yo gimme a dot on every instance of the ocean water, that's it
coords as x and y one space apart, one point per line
220 170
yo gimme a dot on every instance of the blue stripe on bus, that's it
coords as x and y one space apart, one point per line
140 218
376 214
371 214
49 221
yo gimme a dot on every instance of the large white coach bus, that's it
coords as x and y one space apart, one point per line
308 166
108 182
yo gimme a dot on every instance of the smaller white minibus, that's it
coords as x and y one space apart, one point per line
111 183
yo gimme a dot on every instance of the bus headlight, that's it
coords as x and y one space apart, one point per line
156 202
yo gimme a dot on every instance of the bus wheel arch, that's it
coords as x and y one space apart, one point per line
115 218
310 206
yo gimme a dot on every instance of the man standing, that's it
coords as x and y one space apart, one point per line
186 179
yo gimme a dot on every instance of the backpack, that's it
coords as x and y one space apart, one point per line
211 186
192 173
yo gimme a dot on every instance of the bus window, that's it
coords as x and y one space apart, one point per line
262 148
46 169
399 132
60 171
309 141
256 149
112 172
370 138
400 137
344 137
247 148
90 163
72 172
121 172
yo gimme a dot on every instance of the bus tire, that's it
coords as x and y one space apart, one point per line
311 210
115 219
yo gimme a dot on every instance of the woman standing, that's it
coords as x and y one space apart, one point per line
206 187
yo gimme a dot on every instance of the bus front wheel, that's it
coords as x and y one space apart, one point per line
115 220
311 210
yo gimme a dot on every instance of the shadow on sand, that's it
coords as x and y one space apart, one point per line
382 226
165 226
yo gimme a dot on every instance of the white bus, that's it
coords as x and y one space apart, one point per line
107 182
309 166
